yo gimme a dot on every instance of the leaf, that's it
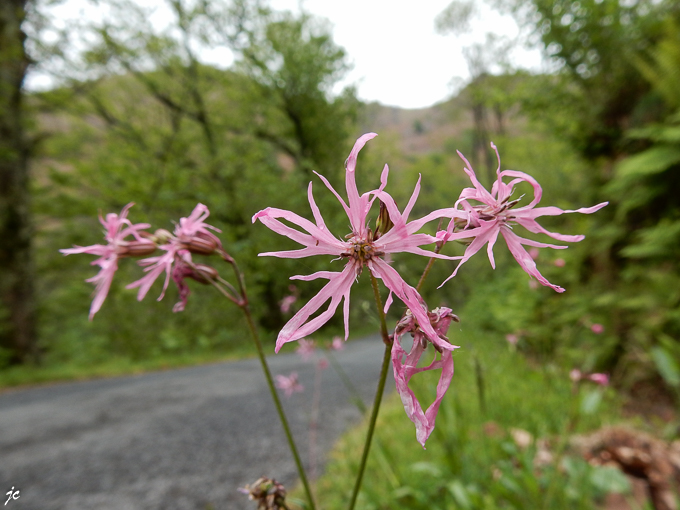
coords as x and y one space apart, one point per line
591 401
610 480
460 494
652 161
666 365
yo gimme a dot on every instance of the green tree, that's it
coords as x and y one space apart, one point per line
17 307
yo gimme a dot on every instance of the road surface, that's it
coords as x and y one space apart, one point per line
182 439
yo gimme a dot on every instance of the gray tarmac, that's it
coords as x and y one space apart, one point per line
181 439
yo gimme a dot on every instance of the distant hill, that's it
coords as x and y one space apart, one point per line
420 130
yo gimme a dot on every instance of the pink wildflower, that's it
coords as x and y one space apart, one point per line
601 379
191 235
598 329
306 349
337 344
576 376
287 303
534 253
289 384
361 248
405 366
183 269
512 338
559 263
118 227
496 214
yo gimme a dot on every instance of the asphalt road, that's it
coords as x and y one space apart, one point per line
182 439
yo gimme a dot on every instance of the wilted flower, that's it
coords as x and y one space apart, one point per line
405 366
361 248
269 494
289 384
598 329
496 213
117 229
183 269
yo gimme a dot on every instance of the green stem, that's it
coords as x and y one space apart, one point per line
378 394
430 263
270 382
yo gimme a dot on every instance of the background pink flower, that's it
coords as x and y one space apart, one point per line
493 213
289 384
117 229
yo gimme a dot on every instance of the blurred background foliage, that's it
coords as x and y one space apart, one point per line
138 117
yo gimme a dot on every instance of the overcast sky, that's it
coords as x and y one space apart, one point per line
398 57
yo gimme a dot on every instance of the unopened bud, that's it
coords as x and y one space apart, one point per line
203 274
200 246
162 236
137 248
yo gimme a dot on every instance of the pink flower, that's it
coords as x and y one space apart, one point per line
601 379
191 235
361 248
322 364
289 384
183 269
598 329
559 263
306 349
117 228
534 253
512 338
496 213
337 344
576 375
287 303
405 366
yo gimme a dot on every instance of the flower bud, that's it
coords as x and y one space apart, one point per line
201 244
162 236
203 274
137 248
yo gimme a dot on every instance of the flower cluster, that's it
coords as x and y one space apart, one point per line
477 216
191 235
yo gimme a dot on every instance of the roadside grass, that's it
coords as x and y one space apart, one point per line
114 366
30 375
476 457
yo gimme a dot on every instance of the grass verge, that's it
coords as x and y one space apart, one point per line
497 442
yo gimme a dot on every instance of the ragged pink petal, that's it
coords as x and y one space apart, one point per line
492 213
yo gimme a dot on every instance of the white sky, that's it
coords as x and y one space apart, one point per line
398 58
